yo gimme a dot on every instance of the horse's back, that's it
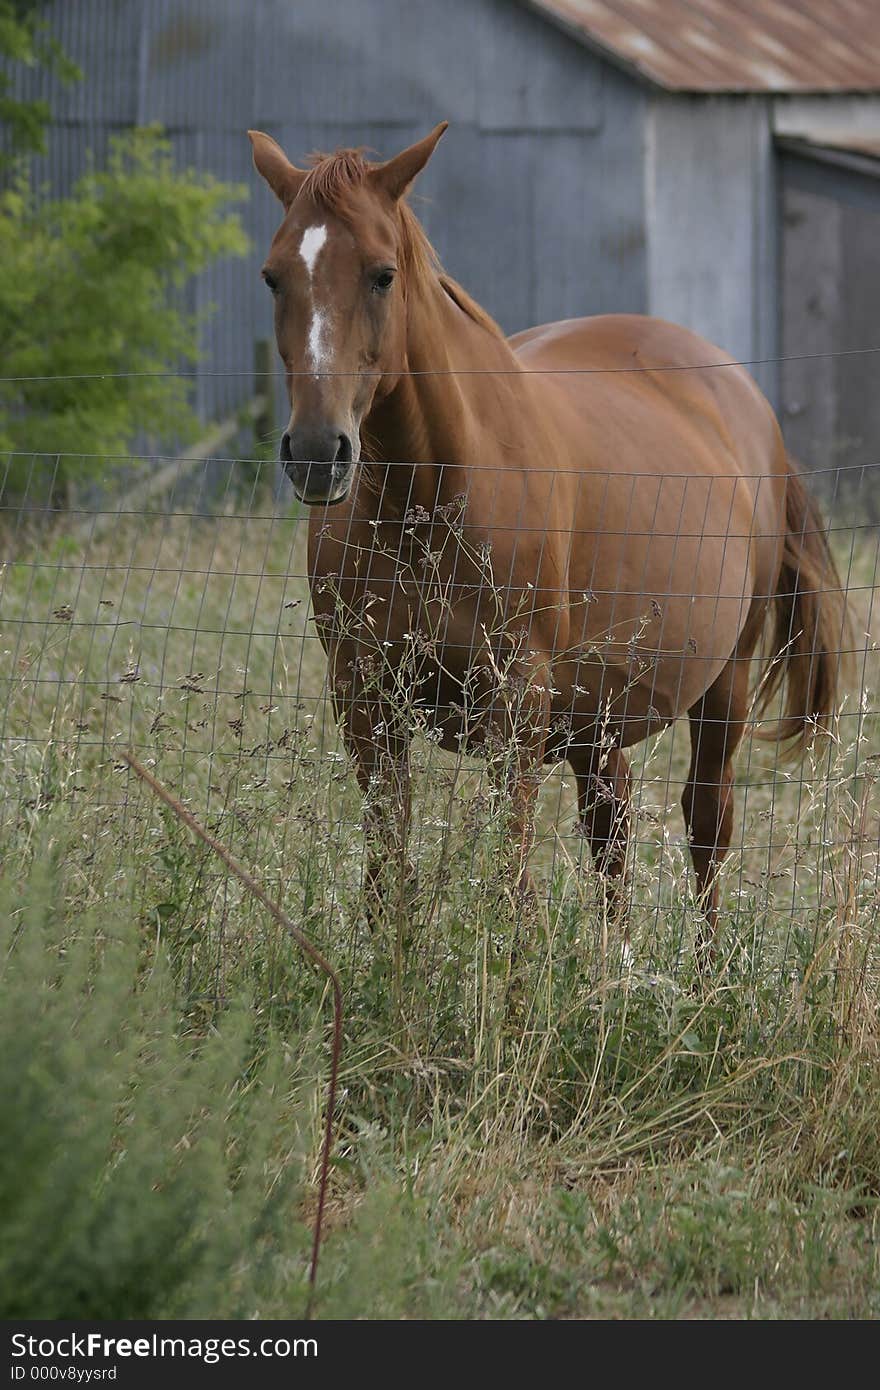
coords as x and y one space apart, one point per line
626 353
636 346
677 494
614 343
642 395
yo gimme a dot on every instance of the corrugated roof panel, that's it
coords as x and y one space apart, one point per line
734 45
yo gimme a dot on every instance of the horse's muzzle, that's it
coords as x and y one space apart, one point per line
320 484
320 465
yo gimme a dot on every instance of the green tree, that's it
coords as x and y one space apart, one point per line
25 40
91 323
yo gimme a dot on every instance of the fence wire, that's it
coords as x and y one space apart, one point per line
191 639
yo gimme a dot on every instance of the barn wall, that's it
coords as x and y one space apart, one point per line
811 311
711 219
830 309
535 199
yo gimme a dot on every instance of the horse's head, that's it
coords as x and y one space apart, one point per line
335 269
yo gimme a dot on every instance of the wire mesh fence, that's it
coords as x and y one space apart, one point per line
194 640
468 736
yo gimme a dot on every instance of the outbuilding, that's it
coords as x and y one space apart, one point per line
709 162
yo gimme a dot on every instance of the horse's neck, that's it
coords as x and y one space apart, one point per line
456 394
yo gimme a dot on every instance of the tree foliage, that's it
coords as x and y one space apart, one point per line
92 322
25 41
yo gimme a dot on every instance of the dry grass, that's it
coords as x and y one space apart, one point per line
602 1139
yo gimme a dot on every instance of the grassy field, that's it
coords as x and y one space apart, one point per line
558 1133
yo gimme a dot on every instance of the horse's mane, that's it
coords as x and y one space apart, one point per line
331 181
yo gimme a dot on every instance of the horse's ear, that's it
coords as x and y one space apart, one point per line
395 176
270 160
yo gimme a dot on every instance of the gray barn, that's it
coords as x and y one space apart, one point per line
715 165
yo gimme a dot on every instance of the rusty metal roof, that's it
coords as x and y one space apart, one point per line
732 45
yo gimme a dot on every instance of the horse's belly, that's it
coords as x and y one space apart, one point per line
644 651
661 587
597 703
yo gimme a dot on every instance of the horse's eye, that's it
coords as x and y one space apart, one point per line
270 281
383 281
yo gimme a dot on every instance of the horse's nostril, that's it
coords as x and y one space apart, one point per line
299 447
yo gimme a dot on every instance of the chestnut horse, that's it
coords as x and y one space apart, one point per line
544 547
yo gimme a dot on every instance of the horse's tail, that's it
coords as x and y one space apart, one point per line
810 638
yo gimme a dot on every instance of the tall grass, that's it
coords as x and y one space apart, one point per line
553 1129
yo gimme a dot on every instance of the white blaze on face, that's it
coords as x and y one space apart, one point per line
318 348
313 240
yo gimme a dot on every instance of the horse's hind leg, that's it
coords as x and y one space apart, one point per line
604 804
717 725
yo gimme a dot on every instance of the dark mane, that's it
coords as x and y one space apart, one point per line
331 181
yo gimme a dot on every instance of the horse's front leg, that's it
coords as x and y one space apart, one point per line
379 746
519 725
